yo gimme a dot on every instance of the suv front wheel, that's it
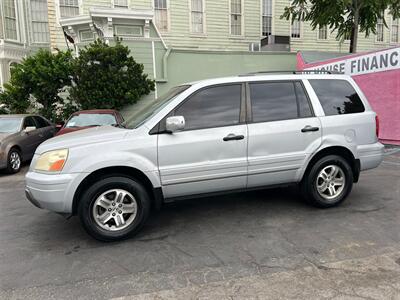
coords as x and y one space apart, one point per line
114 208
328 182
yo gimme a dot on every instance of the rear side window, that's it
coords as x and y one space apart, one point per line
212 107
274 101
29 122
337 97
41 122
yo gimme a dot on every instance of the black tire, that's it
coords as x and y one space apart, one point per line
309 188
87 201
12 168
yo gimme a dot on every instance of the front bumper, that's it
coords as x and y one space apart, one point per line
370 155
54 192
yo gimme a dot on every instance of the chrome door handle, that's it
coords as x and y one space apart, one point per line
309 128
233 137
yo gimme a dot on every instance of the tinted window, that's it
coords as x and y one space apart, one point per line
337 97
29 122
302 99
212 107
41 122
273 101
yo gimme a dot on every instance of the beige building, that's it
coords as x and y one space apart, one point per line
23 30
209 25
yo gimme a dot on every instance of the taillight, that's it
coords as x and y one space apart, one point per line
377 125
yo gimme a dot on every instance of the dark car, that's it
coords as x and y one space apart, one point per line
20 135
91 118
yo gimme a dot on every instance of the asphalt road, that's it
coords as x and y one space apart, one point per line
264 244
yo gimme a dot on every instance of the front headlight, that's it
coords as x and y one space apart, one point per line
52 161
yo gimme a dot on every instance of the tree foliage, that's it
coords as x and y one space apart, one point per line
108 77
102 76
346 17
36 82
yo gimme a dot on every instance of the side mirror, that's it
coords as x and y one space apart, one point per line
173 124
29 129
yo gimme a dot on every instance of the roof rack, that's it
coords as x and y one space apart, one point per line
293 72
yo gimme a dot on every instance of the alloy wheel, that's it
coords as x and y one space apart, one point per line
115 209
330 182
15 161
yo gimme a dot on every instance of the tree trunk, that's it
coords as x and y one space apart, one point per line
354 31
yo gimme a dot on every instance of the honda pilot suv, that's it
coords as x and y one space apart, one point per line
212 136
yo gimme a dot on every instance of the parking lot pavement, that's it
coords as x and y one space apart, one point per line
264 244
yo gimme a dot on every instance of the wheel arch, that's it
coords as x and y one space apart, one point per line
340 151
130 172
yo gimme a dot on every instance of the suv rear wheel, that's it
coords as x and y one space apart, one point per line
328 182
114 208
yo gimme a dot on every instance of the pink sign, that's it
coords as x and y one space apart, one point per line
378 75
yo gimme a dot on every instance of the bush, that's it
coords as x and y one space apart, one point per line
107 77
102 76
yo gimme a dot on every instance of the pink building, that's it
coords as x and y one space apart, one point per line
378 75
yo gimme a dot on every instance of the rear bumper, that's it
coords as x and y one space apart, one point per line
370 155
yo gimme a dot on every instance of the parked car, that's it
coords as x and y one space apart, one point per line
91 118
19 137
208 137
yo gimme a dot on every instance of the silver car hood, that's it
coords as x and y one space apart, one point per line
83 137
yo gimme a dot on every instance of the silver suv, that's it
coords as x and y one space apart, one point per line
207 137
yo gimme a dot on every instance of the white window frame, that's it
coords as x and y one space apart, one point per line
128 25
168 17
383 30
85 40
120 7
16 22
57 3
203 5
241 19
300 30
397 25
327 33
36 21
262 17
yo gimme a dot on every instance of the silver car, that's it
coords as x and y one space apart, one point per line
210 137
19 137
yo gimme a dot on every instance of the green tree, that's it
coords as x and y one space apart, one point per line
348 17
36 82
107 77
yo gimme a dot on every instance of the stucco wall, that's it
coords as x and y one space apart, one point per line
381 86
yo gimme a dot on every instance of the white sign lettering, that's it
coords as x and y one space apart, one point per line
364 64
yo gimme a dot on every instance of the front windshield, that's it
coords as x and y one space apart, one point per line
10 125
143 113
86 120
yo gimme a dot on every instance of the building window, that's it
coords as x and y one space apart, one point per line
69 8
86 35
161 14
128 30
236 17
40 26
121 3
266 17
380 28
197 16
10 20
323 33
296 34
394 36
